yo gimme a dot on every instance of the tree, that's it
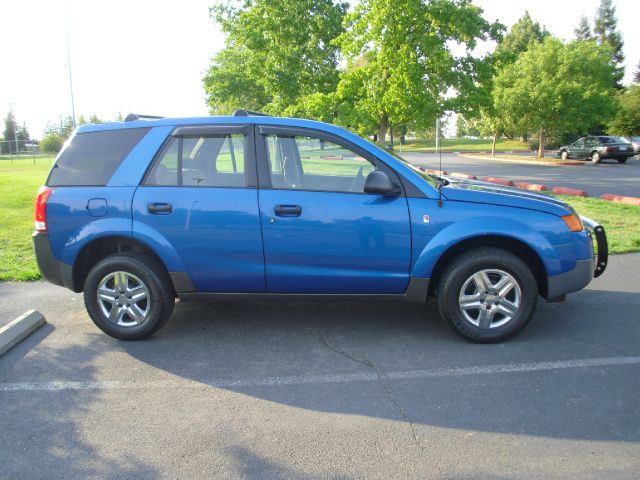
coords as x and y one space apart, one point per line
9 134
583 31
627 118
521 35
52 143
636 74
400 66
606 33
275 53
555 88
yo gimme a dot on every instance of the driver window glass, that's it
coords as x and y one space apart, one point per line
309 163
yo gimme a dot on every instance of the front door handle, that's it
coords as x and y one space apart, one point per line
288 210
159 208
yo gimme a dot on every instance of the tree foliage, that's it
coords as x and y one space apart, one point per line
554 88
521 35
13 132
583 31
52 143
276 52
605 31
400 65
627 118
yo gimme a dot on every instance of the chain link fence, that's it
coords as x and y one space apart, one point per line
23 152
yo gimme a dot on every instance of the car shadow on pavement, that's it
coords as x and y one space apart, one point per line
243 342
41 434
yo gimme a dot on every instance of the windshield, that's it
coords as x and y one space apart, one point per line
433 180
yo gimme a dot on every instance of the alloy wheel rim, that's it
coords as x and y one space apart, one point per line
490 298
124 299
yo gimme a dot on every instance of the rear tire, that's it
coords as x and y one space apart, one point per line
495 281
564 155
129 296
596 157
622 160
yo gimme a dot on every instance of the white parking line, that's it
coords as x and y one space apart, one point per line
321 379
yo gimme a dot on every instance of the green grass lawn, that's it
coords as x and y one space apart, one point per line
19 185
458 144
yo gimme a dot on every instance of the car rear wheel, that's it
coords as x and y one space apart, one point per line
487 295
128 296
596 157
622 160
564 155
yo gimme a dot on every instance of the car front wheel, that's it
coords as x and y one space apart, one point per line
128 296
487 295
596 157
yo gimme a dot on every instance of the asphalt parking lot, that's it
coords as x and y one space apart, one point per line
258 390
606 177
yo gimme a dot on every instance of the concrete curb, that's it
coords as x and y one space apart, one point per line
19 329
536 187
550 163
499 181
569 191
621 199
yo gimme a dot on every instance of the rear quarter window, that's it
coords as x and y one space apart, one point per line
92 158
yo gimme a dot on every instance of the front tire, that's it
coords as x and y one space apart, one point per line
487 295
596 157
128 296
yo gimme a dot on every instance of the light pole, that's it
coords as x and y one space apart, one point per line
66 35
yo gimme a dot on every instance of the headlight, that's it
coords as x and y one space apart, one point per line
574 222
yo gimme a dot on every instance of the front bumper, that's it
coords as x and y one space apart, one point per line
585 270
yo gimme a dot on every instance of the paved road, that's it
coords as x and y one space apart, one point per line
596 179
298 390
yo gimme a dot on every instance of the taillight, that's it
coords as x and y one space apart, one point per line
41 208
612 149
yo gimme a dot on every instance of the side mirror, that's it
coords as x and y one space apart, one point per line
379 183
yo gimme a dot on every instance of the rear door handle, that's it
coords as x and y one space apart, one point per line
159 208
288 210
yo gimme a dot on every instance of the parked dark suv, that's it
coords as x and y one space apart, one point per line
597 148
138 213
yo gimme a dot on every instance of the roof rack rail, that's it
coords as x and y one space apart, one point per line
249 113
136 116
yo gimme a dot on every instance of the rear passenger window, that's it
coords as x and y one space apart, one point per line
199 161
92 158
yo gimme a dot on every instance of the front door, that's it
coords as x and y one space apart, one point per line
322 234
200 202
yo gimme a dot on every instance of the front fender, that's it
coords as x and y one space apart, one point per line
480 227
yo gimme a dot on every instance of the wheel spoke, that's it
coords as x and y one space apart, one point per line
116 314
107 295
470 302
507 308
481 279
504 289
136 314
138 293
485 317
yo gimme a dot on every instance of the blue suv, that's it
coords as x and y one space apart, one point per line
137 213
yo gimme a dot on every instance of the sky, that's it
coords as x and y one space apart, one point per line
149 56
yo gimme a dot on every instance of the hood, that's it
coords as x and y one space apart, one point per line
489 193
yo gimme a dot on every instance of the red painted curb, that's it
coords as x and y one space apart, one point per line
500 181
569 191
536 187
436 172
621 199
463 175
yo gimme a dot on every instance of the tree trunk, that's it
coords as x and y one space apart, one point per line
493 145
382 129
524 137
541 144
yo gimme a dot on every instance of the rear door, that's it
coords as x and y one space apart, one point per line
322 234
200 199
